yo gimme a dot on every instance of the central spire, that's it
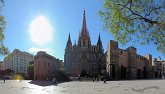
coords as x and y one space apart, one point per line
84 28
84 38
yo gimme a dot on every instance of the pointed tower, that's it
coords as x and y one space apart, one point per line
84 27
67 54
84 38
99 44
69 43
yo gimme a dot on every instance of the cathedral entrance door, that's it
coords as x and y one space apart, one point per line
144 72
83 73
122 73
138 74
113 72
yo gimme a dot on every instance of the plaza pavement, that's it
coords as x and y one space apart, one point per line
83 87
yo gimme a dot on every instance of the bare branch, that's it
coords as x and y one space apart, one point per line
148 14
134 19
130 4
144 18
162 34
130 15
125 5
148 27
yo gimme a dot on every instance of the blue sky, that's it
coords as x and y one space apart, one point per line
64 16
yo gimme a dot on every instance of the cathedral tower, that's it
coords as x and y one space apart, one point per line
84 38
99 44
84 59
69 43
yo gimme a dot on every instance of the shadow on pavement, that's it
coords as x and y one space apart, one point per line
41 83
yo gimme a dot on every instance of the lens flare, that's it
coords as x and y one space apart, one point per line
40 31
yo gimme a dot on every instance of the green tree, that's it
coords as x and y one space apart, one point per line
136 21
30 71
8 72
2 72
61 76
3 49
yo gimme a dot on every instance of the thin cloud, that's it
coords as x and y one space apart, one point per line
47 50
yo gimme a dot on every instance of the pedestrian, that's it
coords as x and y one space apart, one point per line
93 79
47 78
55 81
79 78
97 79
4 79
104 80
21 79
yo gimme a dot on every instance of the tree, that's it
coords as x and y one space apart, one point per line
136 21
3 49
30 71
8 72
61 76
2 72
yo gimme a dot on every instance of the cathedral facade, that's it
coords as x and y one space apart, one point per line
84 59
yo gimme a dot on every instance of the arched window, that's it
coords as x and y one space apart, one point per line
83 43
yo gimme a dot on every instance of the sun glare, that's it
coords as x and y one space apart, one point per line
40 31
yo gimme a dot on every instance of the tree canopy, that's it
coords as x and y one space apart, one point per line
30 70
136 21
3 49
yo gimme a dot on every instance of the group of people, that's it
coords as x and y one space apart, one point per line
96 78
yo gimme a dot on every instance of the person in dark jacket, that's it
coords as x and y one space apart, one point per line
4 79
104 80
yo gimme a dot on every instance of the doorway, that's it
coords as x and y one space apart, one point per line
83 73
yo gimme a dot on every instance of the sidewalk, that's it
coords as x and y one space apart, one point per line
83 87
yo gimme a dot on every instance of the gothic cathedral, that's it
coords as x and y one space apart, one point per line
83 59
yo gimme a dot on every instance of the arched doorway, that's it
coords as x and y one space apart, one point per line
113 72
138 74
83 73
123 72
144 72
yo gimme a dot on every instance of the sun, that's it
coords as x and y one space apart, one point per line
40 31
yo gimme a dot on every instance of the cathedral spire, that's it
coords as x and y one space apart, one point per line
84 38
84 27
69 40
99 40
99 43
69 43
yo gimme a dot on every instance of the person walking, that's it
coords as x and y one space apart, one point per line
93 79
105 80
97 79
55 81
4 79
